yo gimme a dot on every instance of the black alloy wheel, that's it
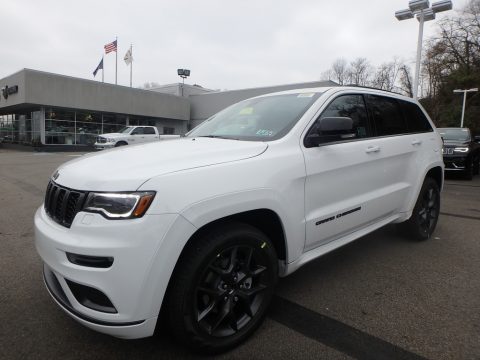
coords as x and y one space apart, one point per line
476 166
428 212
469 168
221 287
231 290
423 221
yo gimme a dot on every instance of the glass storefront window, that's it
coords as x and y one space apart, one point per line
59 126
65 126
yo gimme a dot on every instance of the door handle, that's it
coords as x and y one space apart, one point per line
416 142
372 149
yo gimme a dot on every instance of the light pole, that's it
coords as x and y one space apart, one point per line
464 100
423 12
183 73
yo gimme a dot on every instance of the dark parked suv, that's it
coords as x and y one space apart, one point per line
460 151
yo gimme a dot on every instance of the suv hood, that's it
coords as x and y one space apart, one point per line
127 167
456 142
112 135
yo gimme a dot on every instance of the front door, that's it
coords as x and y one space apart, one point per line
345 187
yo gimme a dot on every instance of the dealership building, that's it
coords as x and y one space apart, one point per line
45 109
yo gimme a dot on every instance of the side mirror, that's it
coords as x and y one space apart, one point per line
336 124
330 129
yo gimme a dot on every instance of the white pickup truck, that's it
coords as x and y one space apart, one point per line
130 135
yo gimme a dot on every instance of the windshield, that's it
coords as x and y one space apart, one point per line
125 130
455 134
261 119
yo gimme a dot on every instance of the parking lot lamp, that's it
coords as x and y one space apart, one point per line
423 12
183 73
464 100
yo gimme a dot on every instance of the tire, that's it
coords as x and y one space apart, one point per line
221 288
469 168
423 221
120 143
476 166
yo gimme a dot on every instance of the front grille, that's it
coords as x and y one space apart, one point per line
447 151
62 204
101 140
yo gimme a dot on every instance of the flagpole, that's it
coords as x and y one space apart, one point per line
131 65
103 66
116 59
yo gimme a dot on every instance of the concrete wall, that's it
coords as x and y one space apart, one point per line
37 87
205 105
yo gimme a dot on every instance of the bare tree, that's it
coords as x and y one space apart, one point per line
405 80
327 75
339 71
359 72
386 75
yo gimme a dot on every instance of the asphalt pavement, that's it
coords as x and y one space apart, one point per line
381 297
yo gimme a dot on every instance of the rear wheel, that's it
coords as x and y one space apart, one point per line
469 169
221 287
425 214
476 166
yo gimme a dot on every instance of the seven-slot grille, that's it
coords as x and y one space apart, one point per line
448 151
62 204
101 140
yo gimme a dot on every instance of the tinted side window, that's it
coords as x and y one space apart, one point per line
387 115
351 106
137 131
416 119
149 131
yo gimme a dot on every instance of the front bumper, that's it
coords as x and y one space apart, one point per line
101 146
135 283
454 163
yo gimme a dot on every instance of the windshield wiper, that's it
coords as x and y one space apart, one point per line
218 137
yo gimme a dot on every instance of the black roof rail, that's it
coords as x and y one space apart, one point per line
372 88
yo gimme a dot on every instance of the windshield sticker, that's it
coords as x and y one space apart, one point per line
308 95
246 111
262 132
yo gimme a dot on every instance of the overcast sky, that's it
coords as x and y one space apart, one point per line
226 44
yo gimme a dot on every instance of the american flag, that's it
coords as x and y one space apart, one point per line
111 47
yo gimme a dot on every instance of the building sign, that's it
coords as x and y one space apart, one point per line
6 91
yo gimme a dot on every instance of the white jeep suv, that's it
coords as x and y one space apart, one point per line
204 225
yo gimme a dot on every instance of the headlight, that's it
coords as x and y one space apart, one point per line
118 205
461 149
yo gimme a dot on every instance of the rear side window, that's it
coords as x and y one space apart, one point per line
149 131
416 119
387 115
351 106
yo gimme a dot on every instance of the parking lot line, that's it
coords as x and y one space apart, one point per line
334 333
460 216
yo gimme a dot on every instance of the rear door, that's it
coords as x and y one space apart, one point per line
149 134
400 147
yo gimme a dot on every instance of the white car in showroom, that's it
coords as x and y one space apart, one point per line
202 226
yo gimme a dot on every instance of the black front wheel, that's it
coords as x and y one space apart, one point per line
221 287
469 169
425 214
